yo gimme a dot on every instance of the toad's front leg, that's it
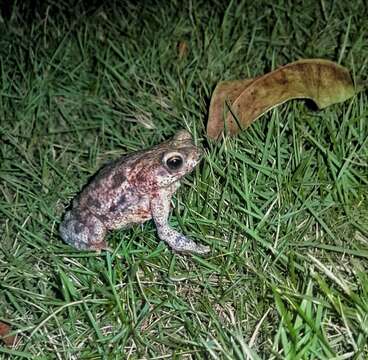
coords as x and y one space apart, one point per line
160 208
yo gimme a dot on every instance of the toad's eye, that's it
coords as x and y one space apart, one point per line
174 162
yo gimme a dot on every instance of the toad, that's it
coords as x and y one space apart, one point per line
131 190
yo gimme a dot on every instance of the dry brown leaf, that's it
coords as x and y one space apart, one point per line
5 329
183 49
322 81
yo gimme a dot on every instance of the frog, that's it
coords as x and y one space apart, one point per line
133 189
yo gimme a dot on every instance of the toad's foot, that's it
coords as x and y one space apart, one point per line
160 207
182 244
100 246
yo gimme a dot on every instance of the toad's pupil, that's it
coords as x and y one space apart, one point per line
174 162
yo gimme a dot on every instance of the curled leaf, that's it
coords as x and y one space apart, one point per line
322 81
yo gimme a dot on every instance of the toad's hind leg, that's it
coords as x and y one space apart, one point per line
84 231
160 207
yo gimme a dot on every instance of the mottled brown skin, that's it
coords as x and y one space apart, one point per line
132 190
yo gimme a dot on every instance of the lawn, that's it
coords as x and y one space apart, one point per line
283 206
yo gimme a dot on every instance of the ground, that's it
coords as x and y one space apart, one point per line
283 206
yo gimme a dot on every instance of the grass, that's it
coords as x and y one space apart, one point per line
283 206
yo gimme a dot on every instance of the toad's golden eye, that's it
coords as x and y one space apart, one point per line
174 162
